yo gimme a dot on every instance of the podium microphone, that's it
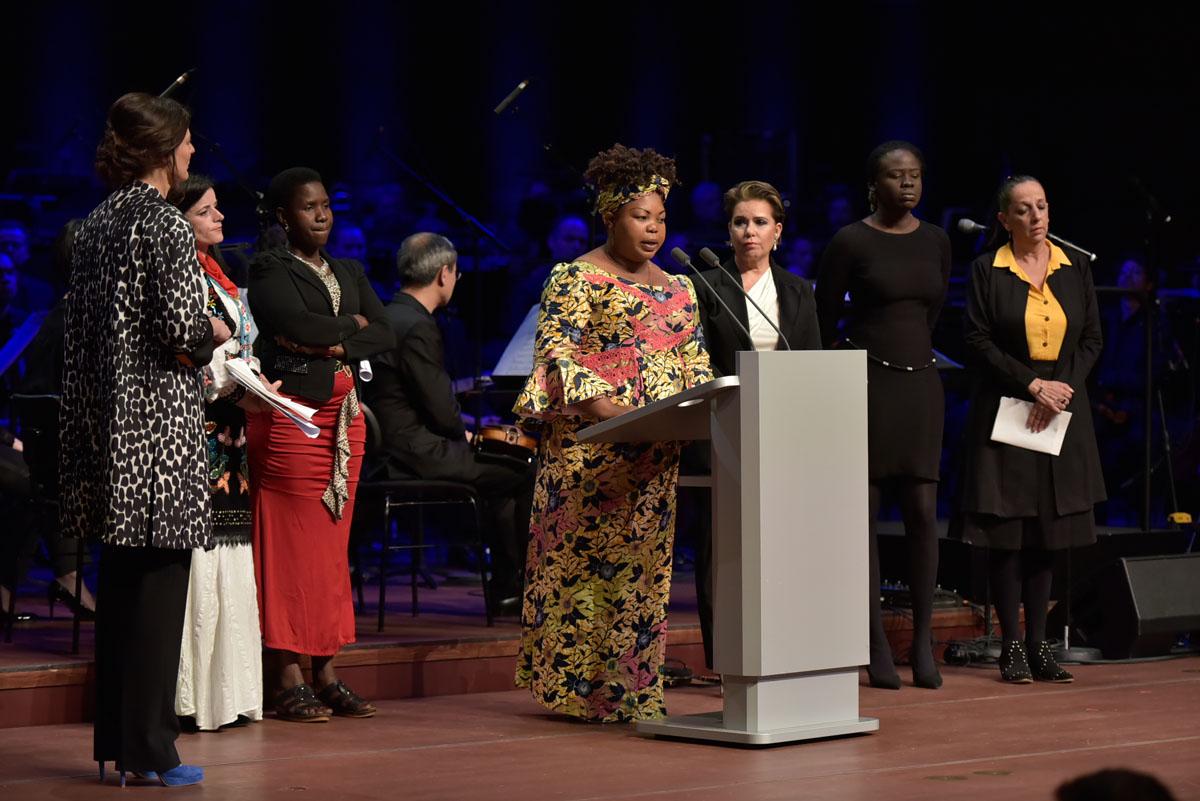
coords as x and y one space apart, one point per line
177 84
711 260
684 260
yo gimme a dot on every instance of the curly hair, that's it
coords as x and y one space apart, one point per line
621 166
141 135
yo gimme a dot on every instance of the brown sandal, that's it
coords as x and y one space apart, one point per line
298 704
345 702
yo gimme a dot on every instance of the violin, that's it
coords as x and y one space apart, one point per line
508 441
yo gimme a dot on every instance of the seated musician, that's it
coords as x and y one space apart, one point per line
423 432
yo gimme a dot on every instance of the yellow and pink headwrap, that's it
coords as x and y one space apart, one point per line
611 198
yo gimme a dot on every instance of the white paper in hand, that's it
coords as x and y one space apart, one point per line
298 413
1011 429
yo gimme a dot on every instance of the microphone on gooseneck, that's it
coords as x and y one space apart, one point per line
511 97
968 226
711 259
684 260
177 84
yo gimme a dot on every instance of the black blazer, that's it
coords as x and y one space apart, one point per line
287 297
1000 479
723 337
413 398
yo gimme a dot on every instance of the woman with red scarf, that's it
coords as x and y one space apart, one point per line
220 663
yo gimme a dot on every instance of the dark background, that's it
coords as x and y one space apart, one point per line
1085 100
1102 107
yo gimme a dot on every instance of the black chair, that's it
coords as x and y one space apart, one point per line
382 495
38 423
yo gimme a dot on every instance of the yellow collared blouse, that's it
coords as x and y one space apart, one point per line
1045 320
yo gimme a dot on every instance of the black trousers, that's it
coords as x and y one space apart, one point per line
141 597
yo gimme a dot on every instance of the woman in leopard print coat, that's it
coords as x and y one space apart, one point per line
133 467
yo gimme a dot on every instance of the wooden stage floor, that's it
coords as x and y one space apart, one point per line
976 738
446 650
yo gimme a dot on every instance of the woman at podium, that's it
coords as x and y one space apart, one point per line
756 215
614 332
896 269
1034 330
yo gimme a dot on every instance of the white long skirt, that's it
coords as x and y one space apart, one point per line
220 663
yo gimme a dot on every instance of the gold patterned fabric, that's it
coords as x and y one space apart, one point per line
337 493
598 570
325 273
611 198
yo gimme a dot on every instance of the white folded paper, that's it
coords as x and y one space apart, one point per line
298 413
1011 429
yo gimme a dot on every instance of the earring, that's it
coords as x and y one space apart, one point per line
285 227
776 246
871 197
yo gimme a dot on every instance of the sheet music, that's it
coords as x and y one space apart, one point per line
298 413
517 359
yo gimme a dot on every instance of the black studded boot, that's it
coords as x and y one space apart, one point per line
1045 666
1014 663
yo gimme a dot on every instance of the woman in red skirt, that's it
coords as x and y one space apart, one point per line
317 318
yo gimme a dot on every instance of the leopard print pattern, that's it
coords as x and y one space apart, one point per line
133 467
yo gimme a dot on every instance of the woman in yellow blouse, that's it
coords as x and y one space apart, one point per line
615 332
1034 332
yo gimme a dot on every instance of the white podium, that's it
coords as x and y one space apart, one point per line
790 528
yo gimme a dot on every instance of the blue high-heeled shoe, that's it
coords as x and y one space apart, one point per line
178 776
148 775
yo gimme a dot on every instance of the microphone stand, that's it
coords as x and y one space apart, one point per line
215 150
509 106
1068 243
684 260
713 261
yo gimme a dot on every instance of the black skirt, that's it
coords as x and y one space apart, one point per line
1047 530
905 413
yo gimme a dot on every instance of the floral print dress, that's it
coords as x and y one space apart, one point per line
598 571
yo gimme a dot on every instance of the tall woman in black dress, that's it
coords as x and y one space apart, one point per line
896 269
1034 331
